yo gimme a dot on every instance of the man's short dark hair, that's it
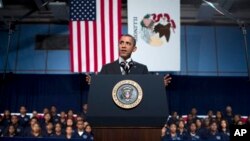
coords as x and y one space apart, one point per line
132 37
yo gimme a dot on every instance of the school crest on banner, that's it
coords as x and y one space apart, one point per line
156 26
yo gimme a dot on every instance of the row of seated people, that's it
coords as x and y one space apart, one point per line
192 127
70 125
49 124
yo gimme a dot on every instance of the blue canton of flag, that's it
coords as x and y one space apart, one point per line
83 10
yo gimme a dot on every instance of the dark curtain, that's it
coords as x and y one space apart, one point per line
209 93
37 91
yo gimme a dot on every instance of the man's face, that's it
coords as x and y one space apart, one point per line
126 47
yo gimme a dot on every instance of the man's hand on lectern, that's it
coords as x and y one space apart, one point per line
167 80
88 78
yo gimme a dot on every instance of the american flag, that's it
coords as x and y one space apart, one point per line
95 26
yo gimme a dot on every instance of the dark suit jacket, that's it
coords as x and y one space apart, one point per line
114 68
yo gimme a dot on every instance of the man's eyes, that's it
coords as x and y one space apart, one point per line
127 43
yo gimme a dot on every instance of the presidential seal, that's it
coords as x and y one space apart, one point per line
127 94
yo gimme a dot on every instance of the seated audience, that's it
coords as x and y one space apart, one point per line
6 118
75 126
53 113
172 135
23 118
229 116
79 132
193 134
173 118
210 115
69 132
63 119
49 130
11 131
182 131
28 129
15 122
88 135
224 130
46 119
213 132
218 117
36 131
58 131
236 119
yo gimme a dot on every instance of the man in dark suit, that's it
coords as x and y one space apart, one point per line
125 65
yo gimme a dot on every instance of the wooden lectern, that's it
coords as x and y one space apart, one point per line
111 122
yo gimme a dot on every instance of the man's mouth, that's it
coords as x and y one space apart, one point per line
123 51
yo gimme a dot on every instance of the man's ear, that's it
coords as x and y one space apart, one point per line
135 48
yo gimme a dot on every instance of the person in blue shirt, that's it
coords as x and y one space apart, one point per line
204 130
182 131
23 118
46 119
36 131
78 134
213 132
53 112
88 135
228 115
15 123
11 131
224 130
6 118
69 132
193 134
58 133
49 130
173 118
172 135
28 129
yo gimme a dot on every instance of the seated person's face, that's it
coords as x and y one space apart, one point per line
69 130
126 47
80 125
88 129
173 128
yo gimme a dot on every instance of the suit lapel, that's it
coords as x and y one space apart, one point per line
133 69
116 67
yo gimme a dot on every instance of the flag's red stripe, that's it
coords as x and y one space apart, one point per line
102 16
95 47
87 45
71 46
79 46
111 30
119 18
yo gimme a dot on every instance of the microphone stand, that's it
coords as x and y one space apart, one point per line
244 32
10 32
242 26
11 29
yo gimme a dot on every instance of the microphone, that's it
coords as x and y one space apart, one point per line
131 64
125 67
